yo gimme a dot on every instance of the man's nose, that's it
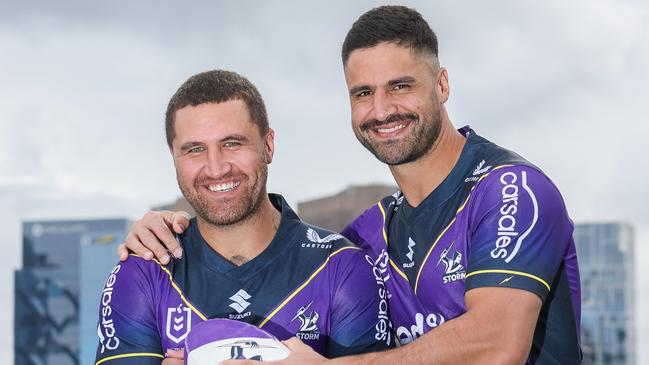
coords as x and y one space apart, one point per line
383 106
218 164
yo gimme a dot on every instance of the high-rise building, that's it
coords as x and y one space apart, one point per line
606 263
57 291
336 211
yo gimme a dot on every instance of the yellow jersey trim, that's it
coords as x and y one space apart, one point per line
519 273
385 234
135 354
385 238
299 289
421 268
175 286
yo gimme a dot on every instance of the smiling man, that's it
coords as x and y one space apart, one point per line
247 257
476 250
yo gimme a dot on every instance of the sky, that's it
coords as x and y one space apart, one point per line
84 86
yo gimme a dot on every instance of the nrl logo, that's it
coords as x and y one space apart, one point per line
179 323
314 237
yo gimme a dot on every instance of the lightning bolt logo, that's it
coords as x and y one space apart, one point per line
506 280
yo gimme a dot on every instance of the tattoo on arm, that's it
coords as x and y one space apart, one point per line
238 260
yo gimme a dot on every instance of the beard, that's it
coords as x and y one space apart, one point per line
425 130
226 212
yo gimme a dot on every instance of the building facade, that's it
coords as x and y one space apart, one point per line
336 211
57 291
606 263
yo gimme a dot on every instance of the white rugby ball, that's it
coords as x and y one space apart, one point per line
216 340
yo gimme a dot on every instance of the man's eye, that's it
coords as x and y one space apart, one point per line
231 144
363 93
401 86
196 149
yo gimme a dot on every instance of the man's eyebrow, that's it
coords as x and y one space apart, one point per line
188 145
356 89
235 137
402 80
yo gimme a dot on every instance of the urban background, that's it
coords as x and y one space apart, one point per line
84 85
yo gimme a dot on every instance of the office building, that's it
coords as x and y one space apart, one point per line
57 291
606 262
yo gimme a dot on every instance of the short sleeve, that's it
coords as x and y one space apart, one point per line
127 327
359 321
519 231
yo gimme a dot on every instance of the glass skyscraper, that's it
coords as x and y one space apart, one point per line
606 263
65 264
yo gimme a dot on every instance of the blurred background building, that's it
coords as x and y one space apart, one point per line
606 262
336 211
64 266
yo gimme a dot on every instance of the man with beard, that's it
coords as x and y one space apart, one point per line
476 248
247 257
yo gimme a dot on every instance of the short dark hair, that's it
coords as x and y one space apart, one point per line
390 23
216 86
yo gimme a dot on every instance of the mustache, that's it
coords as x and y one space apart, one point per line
375 123
208 180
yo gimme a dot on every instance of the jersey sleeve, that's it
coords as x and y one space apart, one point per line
127 327
519 231
359 321
367 230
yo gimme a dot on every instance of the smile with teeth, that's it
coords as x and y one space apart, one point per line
219 188
391 129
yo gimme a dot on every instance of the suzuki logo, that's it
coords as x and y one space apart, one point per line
239 301
411 252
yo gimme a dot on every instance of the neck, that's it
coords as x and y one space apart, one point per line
243 241
419 178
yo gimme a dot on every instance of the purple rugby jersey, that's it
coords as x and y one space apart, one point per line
309 283
495 221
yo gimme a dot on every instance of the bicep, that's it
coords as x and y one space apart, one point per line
126 327
506 314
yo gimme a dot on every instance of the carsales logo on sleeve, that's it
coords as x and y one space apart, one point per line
106 327
381 276
507 229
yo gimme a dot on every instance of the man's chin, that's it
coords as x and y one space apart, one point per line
391 158
218 218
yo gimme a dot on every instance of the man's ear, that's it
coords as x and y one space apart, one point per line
442 86
269 145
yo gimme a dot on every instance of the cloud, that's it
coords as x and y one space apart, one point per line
85 85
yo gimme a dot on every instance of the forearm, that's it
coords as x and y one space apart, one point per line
498 333
452 343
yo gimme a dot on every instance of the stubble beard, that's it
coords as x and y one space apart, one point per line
418 143
227 213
